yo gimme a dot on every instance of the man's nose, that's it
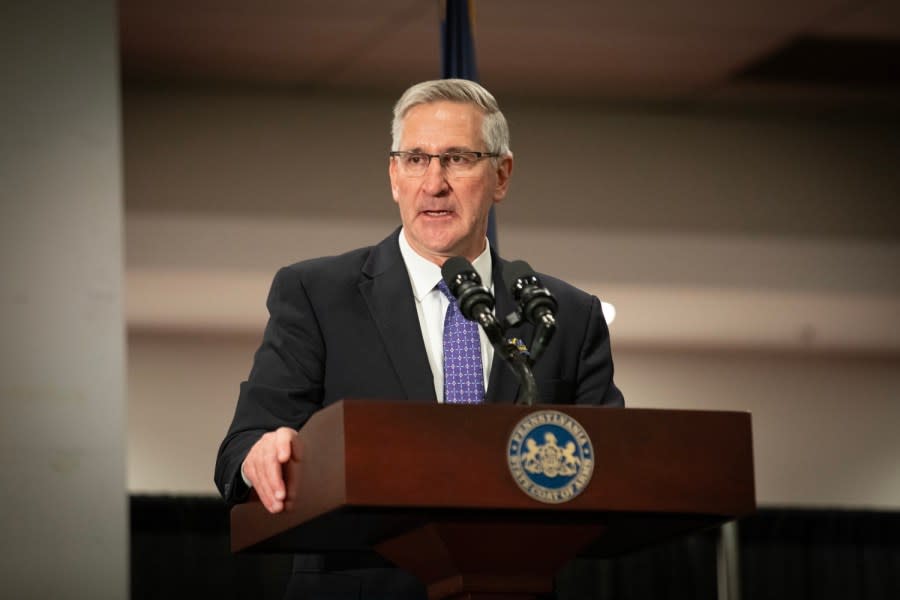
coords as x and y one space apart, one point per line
435 178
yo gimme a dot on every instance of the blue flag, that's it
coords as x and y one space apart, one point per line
458 60
457 43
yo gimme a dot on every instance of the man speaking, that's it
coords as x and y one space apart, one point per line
379 322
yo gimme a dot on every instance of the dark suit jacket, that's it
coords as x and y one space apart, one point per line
346 326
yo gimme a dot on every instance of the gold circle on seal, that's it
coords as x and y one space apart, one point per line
543 468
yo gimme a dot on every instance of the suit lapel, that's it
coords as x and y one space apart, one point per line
388 293
503 387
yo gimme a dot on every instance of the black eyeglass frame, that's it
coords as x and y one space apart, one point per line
442 157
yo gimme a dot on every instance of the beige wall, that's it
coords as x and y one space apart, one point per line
751 257
824 426
63 500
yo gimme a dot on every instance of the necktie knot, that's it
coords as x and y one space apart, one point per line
442 286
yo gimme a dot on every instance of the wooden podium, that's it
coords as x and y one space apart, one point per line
427 486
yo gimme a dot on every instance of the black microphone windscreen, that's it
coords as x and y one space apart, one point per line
454 267
515 271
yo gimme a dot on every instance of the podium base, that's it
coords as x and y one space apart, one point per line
487 561
490 587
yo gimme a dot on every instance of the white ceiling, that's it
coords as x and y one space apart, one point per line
607 49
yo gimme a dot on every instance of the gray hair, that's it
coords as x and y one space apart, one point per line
494 128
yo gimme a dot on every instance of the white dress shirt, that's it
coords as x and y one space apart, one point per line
431 306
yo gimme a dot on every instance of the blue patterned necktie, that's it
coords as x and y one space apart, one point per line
463 374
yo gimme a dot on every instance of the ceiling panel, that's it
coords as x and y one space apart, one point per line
686 16
646 49
403 52
314 10
612 62
284 42
878 19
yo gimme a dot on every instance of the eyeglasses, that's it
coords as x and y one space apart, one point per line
457 164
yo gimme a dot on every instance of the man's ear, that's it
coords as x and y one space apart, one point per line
392 174
504 173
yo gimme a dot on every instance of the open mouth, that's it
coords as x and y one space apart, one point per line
437 213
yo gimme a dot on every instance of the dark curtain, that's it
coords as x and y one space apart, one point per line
820 554
179 549
683 569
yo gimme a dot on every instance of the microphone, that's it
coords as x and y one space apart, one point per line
536 303
475 302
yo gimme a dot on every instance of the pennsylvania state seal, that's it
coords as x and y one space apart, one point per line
550 456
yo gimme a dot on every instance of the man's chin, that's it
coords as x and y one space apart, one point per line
442 241
438 249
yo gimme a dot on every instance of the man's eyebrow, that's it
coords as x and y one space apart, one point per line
419 150
458 149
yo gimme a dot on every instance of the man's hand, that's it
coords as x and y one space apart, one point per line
263 466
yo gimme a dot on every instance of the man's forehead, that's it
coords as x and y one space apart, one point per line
445 107
444 123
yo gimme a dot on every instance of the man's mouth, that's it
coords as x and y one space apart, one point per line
436 213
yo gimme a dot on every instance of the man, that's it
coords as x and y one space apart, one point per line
370 323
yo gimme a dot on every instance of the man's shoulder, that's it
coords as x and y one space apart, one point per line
347 267
566 293
561 290
348 262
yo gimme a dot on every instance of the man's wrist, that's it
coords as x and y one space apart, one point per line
247 482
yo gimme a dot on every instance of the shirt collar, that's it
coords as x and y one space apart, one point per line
425 275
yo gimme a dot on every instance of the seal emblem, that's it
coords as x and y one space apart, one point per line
550 456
